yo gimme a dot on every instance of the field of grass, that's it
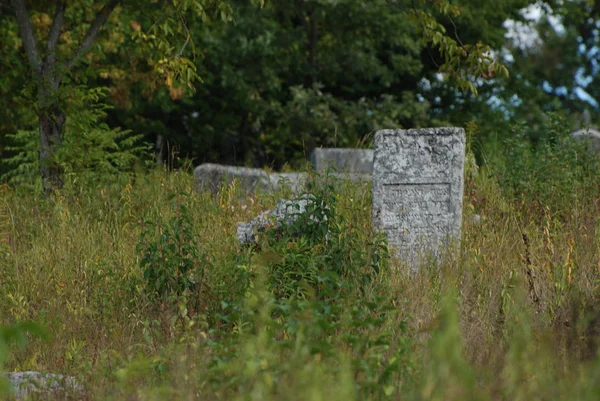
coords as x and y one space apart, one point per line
146 295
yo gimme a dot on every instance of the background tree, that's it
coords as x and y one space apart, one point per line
278 82
282 79
551 51
559 71
53 55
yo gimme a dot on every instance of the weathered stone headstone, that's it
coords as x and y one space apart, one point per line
418 189
590 136
210 177
358 161
286 212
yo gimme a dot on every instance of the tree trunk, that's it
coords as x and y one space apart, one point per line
52 122
49 74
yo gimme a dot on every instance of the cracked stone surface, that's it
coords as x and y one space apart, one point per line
286 212
211 177
590 137
418 189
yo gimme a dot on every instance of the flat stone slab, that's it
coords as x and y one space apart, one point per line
211 177
344 160
25 383
286 212
418 190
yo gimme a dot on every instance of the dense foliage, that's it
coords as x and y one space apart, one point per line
129 279
271 81
147 295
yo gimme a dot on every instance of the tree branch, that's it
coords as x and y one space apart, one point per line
187 37
92 32
56 26
415 11
49 65
27 36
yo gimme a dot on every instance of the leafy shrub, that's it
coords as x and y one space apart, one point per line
309 297
171 260
320 250
91 151
338 337
550 175
16 333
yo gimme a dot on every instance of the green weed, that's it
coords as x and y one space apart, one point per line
147 295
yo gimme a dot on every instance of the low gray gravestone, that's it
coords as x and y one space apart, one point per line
418 189
286 212
354 161
590 136
24 384
211 176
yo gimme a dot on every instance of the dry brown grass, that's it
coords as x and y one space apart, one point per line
526 286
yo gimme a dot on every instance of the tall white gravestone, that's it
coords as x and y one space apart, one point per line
418 189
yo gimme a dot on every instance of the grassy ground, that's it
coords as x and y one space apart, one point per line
183 313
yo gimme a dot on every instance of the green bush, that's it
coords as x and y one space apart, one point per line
554 174
310 295
16 333
319 251
92 153
283 336
170 257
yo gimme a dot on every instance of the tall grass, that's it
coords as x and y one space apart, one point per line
514 316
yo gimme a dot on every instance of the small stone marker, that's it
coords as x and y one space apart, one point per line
211 176
286 212
418 189
345 160
45 385
590 136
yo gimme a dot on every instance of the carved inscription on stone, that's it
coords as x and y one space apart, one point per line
417 210
417 189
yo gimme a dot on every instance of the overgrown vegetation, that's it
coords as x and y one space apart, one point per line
271 80
138 279
90 151
147 295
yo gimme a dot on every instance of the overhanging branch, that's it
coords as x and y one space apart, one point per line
92 33
56 25
27 36
53 36
187 37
